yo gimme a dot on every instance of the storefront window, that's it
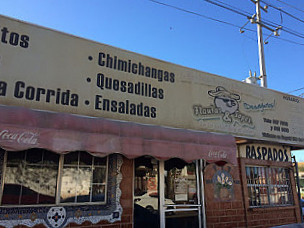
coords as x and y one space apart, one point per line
83 178
31 177
268 186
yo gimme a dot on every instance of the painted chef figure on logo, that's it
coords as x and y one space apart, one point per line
226 101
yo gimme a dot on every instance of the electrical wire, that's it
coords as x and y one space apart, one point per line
289 41
283 28
200 15
224 22
272 24
210 1
231 6
220 21
291 6
293 33
225 7
296 90
283 11
266 22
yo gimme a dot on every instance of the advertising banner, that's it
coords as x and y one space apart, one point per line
49 70
265 152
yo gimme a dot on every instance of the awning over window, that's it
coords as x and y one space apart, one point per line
22 128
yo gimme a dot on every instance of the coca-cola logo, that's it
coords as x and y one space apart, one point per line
26 137
217 154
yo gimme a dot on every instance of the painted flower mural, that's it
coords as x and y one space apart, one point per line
224 181
223 186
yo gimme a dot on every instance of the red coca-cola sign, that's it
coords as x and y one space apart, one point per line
217 154
20 137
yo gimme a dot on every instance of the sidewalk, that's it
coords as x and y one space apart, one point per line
295 225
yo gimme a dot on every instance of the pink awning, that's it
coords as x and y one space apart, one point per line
22 128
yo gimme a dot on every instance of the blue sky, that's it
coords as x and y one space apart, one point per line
180 37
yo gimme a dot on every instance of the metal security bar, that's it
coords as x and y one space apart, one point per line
268 186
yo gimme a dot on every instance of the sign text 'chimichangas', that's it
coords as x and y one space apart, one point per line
49 70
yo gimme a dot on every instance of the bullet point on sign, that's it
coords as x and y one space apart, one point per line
90 58
88 79
87 102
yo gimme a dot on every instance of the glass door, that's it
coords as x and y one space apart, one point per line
146 196
168 194
181 188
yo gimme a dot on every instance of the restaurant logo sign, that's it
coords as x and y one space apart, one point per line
225 107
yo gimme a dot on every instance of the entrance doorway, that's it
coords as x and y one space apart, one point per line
168 194
146 194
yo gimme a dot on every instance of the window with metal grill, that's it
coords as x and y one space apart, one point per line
268 186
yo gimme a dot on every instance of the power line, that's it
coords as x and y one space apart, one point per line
200 15
283 28
293 33
288 30
217 20
296 90
281 10
212 2
225 7
291 6
275 25
289 41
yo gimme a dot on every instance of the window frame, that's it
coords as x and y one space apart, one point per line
58 184
268 186
245 162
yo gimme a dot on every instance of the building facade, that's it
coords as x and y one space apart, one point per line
96 136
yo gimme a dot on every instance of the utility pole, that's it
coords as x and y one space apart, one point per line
256 19
263 76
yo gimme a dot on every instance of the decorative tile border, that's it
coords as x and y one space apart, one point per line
60 216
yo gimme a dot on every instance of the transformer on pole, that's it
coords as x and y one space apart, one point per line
256 19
